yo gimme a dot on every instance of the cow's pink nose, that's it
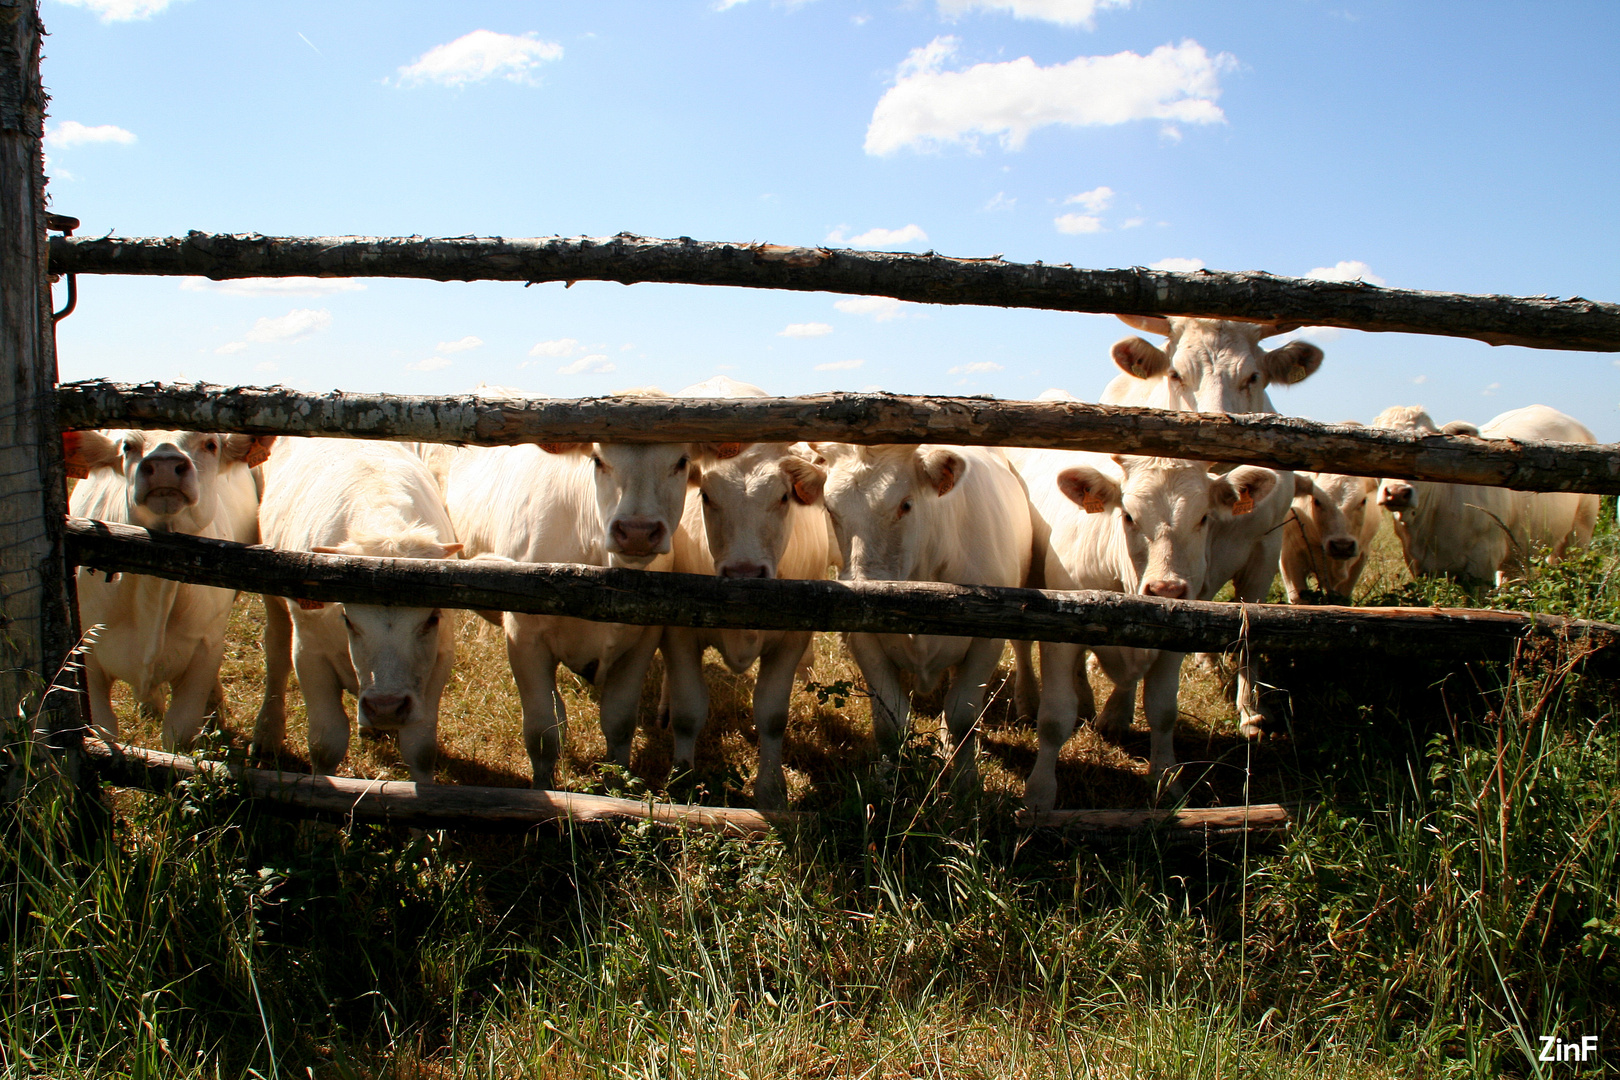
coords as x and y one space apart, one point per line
1169 588
385 710
745 569
166 467
639 536
1341 548
1396 496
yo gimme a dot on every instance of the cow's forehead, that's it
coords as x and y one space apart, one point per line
1212 344
145 441
631 454
1175 486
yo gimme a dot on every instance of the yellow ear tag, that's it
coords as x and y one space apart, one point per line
311 605
77 472
1093 503
1244 504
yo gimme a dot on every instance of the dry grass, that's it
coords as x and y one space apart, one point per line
480 726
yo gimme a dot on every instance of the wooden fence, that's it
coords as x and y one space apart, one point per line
39 545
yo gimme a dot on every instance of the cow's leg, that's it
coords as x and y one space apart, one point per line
621 695
1296 569
1026 687
891 704
1251 585
1159 692
188 700
323 704
687 692
270 726
773 691
98 688
1124 668
1065 697
419 747
964 704
534 669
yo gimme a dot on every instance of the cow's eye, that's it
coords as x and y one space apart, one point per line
132 447
432 622
1253 379
680 466
1175 376
1128 519
1203 521
598 462
212 446
1316 503
704 495
352 628
905 507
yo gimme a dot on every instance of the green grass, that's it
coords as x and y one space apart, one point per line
1449 893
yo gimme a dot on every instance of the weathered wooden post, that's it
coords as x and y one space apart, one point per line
37 616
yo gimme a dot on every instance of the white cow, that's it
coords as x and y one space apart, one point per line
756 513
347 498
1334 521
1210 365
599 504
1122 524
954 514
156 633
1481 533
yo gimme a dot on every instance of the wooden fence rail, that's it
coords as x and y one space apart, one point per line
657 599
1537 322
1282 442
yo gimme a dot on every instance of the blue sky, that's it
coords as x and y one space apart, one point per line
1459 147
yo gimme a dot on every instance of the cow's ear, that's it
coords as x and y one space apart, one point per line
1140 359
942 468
807 479
720 451
250 450
83 451
447 550
326 549
565 447
1460 427
1302 484
1240 489
1292 363
1087 488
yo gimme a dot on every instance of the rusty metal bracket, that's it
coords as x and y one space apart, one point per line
65 225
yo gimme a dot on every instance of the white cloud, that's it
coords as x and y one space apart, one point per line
121 10
1180 266
1420 380
230 347
71 133
297 323
1133 223
267 366
983 367
806 330
593 364
929 107
1346 270
432 363
873 238
840 365
1063 12
288 286
468 342
881 308
1001 201
556 347
481 55
1094 201
1490 391
1075 224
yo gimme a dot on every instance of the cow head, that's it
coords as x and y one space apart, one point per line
1162 510
169 476
1331 509
1213 365
1401 496
880 499
401 655
640 492
749 499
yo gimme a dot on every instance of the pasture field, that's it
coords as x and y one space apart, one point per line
1450 893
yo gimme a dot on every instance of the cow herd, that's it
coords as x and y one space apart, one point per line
1053 519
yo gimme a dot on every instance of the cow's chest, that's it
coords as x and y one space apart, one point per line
925 656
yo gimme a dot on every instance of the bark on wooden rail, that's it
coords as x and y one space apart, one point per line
1537 322
491 809
655 599
1264 439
